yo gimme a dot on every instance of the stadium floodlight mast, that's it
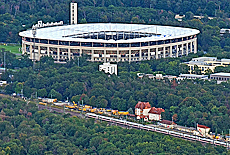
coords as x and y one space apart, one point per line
34 31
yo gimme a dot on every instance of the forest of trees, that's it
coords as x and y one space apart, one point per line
25 130
191 101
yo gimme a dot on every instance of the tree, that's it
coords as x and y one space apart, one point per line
190 101
183 68
83 21
196 70
42 92
145 68
54 94
208 72
19 88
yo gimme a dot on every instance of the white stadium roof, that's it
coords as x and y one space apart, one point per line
64 32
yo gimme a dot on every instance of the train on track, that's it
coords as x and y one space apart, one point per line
157 129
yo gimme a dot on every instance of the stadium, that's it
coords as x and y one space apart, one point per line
109 42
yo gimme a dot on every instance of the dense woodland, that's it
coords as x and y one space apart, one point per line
189 101
34 132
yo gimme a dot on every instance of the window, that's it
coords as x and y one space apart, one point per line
87 44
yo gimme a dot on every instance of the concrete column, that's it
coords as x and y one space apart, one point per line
31 51
117 55
195 45
186 48
140 55
164 52
58 54
39 53
170 51
148 53
177 51
23 48
129 54
80 51
69 54
48 51
92 56
104 55
191 47
182 49
156 52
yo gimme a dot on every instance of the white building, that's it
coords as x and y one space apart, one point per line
110 42
203 130
205 63
3 83
155 114
192 76
220 77
108 68
73 13
144 110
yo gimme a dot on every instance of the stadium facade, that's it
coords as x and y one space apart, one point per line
109 42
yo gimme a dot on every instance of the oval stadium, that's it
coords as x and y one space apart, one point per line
109 42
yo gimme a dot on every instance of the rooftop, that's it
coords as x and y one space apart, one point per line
193 75
75 32
202 126
154 110
220 74
167 122
143 105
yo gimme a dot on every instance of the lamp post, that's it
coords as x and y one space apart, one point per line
34 31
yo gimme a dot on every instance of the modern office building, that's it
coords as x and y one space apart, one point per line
205 63
220 77
192 76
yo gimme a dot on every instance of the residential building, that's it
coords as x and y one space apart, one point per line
155 114
205 63
203 129
143 110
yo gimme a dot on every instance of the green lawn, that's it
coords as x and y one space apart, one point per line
12 48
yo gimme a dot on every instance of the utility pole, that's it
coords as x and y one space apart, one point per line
4 61
228 137
82 108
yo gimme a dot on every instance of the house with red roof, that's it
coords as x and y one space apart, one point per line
203 130
145 111
155 114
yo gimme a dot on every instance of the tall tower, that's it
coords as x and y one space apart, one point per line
73 13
